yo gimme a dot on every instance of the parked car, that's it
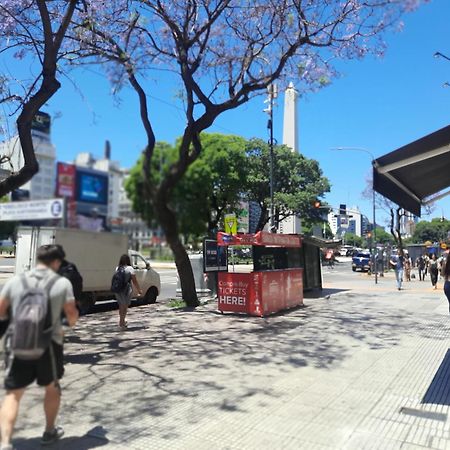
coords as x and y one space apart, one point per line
361 261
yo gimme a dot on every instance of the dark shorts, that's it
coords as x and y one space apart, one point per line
20 373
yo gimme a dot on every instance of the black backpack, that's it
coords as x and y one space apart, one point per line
69 270
120 280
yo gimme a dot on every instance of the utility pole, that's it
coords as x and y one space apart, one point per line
272 94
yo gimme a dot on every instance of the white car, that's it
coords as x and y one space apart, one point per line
148 279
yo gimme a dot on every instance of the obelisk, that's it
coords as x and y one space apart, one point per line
290 224
290 134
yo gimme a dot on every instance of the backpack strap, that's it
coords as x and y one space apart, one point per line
49 283
23 279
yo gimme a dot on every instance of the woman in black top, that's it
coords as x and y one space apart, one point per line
434 270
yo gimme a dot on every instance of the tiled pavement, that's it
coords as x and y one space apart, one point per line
367 368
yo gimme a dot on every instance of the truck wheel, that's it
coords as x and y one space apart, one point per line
151 295
354 269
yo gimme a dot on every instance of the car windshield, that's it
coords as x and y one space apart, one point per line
363 255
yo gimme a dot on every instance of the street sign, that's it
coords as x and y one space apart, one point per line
32 210
215 258
231 223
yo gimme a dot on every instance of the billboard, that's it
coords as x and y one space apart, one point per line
215 258
32 210
41 122
91 187
65 180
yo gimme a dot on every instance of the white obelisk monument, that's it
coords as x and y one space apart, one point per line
290 134
292 223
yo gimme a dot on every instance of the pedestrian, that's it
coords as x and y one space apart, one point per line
330 258
420 263
39 358
397 263
433 268
426 259
408 264
445 271
70 271
122 285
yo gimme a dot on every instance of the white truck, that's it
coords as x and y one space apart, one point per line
96 256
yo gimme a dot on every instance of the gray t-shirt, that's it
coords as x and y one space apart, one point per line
60 294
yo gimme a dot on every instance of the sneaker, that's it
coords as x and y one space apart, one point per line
7 447
49 437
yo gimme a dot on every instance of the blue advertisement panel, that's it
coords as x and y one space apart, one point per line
92 187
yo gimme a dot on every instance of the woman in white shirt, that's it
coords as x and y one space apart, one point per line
124 298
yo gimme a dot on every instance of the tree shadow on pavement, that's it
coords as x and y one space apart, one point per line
94 438
177 369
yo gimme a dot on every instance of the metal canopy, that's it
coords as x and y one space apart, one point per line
412 174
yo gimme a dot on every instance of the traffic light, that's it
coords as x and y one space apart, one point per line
369 235
317 204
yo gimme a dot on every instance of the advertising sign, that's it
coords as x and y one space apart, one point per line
41 122
32 210
231 223
260 238
65 180
92 187
215 258
19 195
234 291
260 293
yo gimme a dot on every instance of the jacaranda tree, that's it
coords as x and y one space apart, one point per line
224 52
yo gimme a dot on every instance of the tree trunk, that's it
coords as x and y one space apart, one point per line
168 222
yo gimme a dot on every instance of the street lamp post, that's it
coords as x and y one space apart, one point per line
272 94
374 235
441 55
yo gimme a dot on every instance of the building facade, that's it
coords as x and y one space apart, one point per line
132 224
43 184
344 220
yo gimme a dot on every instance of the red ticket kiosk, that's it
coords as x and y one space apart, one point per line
267 289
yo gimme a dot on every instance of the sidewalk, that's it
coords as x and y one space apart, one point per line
364 368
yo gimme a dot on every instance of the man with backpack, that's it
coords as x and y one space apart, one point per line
34 302
69 270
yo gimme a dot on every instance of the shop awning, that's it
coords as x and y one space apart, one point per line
417 173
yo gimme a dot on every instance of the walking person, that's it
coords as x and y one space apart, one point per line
122 285
426 259
330 258
397 263
445 271
433 268
408 264
34 342
69 270
420 263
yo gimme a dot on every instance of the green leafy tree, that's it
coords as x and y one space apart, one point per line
434 231
213 184
308 229
383 237
353 239
298 183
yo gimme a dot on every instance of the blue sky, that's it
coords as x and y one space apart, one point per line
378 104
